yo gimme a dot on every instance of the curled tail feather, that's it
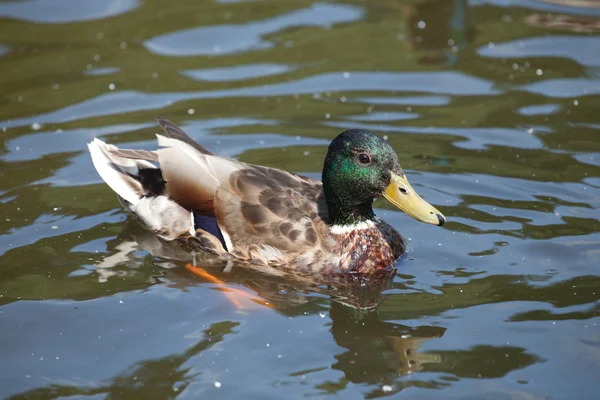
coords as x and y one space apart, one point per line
121 174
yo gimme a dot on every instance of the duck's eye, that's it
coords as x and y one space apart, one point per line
364 158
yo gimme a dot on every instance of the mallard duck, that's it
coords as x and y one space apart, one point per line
265 215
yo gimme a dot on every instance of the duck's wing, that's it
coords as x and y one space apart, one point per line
175 132
264 214
192 177
272 215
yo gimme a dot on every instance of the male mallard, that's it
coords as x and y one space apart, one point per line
266 215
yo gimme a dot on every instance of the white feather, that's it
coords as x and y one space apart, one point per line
162 214
113 170
269 252
192 225
343 229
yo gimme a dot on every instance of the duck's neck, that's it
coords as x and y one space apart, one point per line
356 215
346 204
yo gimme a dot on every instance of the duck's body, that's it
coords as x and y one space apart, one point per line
254 213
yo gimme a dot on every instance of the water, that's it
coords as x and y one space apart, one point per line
491 105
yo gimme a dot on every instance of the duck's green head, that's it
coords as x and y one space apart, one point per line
361 166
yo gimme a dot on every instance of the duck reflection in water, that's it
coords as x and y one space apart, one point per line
376 350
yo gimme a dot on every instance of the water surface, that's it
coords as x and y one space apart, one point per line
492 107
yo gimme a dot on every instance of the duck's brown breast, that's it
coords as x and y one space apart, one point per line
373 249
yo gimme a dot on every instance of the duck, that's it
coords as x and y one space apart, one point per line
260 215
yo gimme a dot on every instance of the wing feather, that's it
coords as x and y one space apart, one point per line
270 214
135 154
175 132
192 178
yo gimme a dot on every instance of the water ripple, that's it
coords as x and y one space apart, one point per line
237 73
229 39
581 49
65 11
491 106
452 83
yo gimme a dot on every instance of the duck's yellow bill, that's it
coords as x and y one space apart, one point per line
402 195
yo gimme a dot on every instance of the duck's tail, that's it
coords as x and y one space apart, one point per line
126 176
141 188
